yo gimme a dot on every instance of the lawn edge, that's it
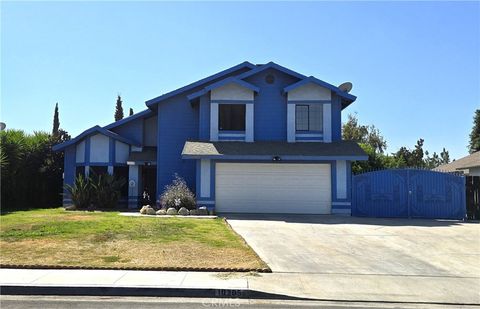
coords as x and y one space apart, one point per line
199 269
246 243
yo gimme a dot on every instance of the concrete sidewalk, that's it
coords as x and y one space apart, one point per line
335 287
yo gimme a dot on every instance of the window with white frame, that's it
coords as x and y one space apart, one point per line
309 117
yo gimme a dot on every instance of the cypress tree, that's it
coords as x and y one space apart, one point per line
474 144
56 121
119 109
131 112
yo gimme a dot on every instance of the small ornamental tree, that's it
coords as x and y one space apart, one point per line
56 121
177 195
119 109
474 144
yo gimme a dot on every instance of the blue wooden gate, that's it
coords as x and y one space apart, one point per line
409 193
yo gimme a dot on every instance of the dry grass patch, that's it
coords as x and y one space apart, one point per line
60 238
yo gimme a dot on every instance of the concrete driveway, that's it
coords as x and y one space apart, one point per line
363 246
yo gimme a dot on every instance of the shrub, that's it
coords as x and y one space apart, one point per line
106 190
177 195
80 192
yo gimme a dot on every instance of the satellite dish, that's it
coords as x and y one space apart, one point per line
346 87
2 126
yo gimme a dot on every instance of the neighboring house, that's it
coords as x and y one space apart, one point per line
252 138
469 165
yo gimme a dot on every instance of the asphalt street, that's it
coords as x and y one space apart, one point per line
75 302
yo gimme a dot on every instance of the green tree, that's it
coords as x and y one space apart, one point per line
131 112
444 157
118 109
56 121
366 134
31 171
474 144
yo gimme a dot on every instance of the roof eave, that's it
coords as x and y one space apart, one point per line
198 83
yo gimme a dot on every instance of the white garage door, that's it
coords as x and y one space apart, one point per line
273 188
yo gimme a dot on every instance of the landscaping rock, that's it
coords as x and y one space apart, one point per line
143 211
193 212
150 211
71 207
202 211
171 211
162 212
183 211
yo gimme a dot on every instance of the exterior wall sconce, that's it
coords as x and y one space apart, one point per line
276 158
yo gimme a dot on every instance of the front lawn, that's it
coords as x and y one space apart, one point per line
55 237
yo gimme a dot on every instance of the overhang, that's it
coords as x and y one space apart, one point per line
91 131
340 150
148 155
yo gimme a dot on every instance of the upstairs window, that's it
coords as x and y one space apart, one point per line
309 117
231 117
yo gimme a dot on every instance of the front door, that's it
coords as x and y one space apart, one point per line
149 182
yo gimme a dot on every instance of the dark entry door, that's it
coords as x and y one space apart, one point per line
149 181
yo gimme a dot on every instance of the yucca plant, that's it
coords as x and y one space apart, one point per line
80 192
106 190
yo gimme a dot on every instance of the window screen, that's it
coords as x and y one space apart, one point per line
301 117
315 118
309 117
231 117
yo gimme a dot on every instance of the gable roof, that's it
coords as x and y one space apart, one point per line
323 84
270 65
142 114
464 163
92 130
223 82
191 86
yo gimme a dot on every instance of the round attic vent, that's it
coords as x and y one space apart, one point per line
269 79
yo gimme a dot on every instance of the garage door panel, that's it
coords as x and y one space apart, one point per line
273 188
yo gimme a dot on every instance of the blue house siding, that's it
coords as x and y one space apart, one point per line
132 130
204 114
177 122
184 114
270 106
336 118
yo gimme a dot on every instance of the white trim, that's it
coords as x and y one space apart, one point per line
110 170
214 122
204 178
308 135
341 203
341 211
291 123
87 170
249 122
231 134
327 122
205 202
341 167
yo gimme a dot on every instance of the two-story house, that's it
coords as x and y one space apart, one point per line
249 139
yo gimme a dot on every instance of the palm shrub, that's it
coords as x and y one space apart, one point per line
177 195
106 190
80 192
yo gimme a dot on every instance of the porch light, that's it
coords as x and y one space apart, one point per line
276 158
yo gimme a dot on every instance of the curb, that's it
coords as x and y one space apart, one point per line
143 291
197 269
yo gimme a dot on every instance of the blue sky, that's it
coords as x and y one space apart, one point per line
415 67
